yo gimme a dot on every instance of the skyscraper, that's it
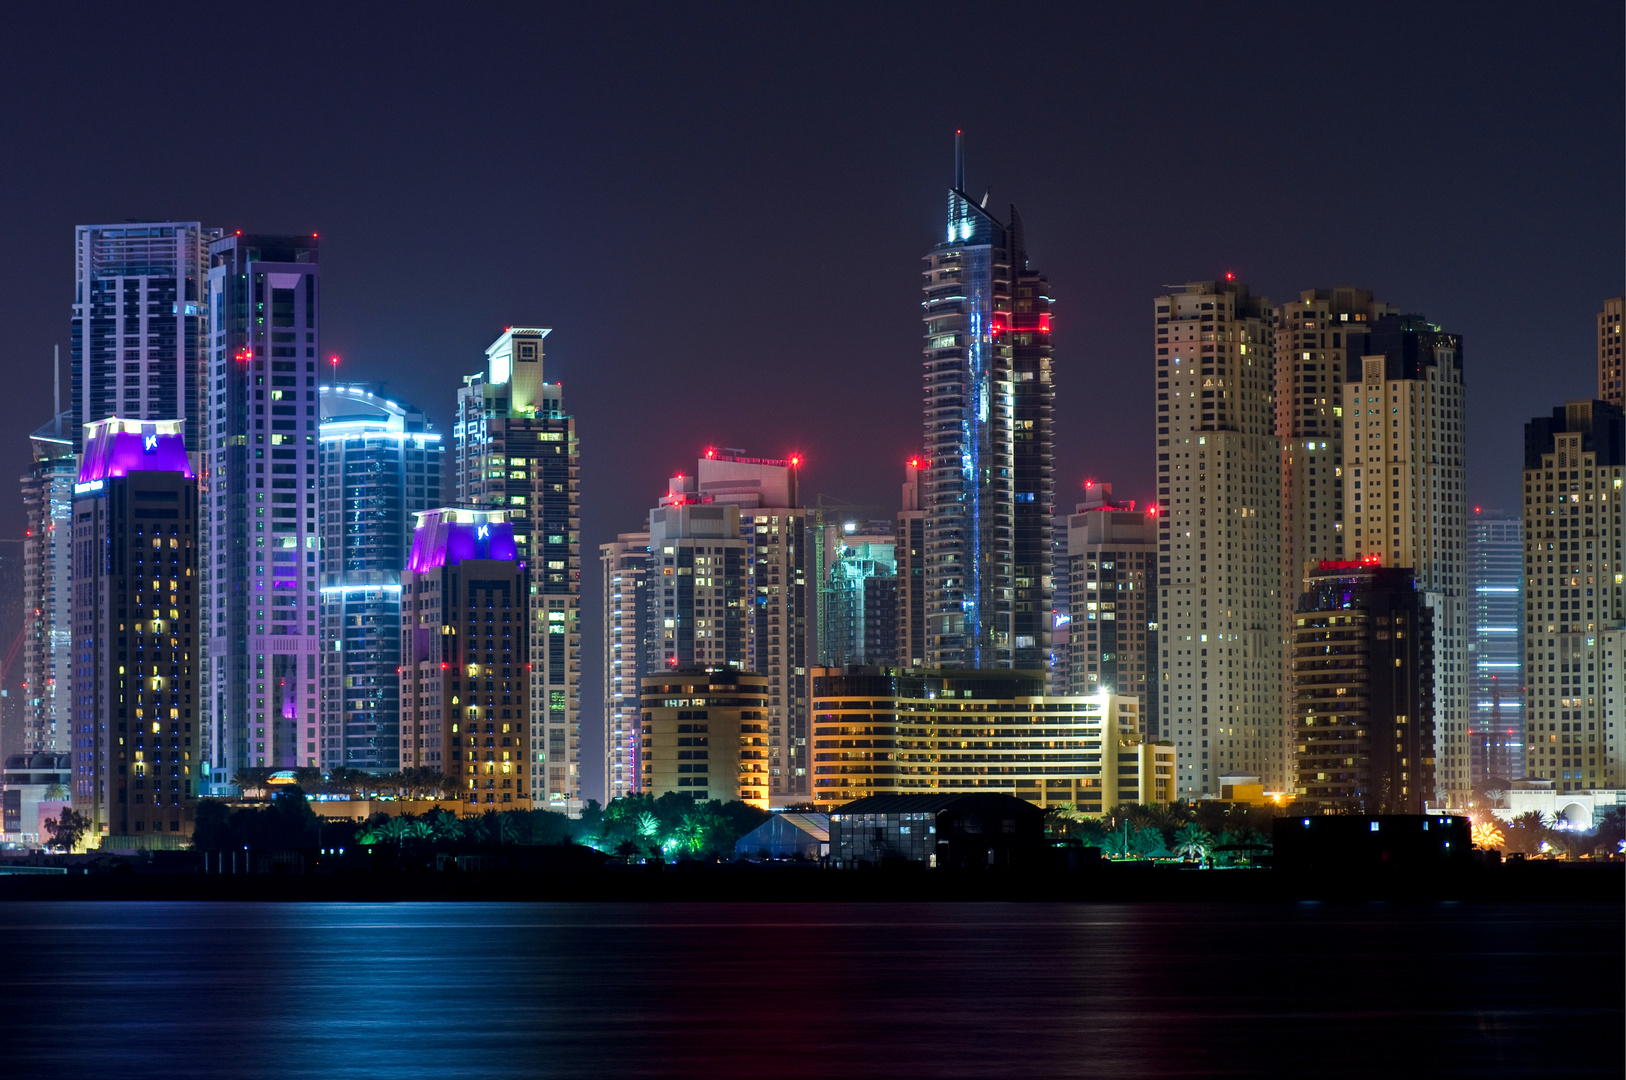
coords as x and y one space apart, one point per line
860 609
380 467
141 323
1406 503
516 450
13 633
782 623
465 690
1362 691
258 505
1611 365
625 564
909 549
136 730
1112 552
1219 486
699 584
48 588
1495 649
1574 552
989 494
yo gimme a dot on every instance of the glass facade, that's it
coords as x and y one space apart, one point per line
379 466
1495 649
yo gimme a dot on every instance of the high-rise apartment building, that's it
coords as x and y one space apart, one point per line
141 324
698 586
47 588
989 494
1313 336
625 565
467 614
858 624
258 504
379 467
13 632
1406 504
909 550
782 624
516 450
1495 649
705 735
1219 538
1112 572
1362 691
1575 603
136 726
1611 365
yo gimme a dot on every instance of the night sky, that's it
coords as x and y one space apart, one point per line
721 213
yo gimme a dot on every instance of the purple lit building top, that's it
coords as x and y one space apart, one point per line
116 447
449 536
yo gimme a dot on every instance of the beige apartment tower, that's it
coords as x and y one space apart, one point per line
1220 580
1575 611
1406 504
1610 367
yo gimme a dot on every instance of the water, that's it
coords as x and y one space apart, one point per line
827 991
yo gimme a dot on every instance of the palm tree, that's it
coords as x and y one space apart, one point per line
1193 842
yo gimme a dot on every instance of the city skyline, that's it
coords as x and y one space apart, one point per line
1094 206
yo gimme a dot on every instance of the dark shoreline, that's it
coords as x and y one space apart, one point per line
1110 883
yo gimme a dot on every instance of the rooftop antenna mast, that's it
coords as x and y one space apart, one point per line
959 161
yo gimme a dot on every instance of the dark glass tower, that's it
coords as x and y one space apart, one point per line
988 400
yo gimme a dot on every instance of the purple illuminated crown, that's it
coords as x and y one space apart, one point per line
448 536
115 447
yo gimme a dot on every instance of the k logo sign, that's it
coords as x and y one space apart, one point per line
149 444
484 533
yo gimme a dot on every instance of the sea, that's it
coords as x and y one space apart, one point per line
467 991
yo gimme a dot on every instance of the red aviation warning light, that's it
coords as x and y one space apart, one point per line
796 461
1229 276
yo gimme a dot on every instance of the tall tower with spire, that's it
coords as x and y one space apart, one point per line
988 492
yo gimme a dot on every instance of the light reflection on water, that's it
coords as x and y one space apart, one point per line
832 991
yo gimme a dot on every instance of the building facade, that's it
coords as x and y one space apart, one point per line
909 551
466 623
858 624
894 732
1495 649
1574 461
515 449
136 727
141 324
1362 692
379 467
625 565
48 589
705 734
1611 365
989 492
1406 499
698 586
1112 589
257 497
1219 492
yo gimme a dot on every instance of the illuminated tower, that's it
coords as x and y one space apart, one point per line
625 565
909 548
1220 576
988 399
136 726
380 467
1405 502
141 324
48 588
257 494
1575 602
1495 649
1112 588
516 450
465 691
